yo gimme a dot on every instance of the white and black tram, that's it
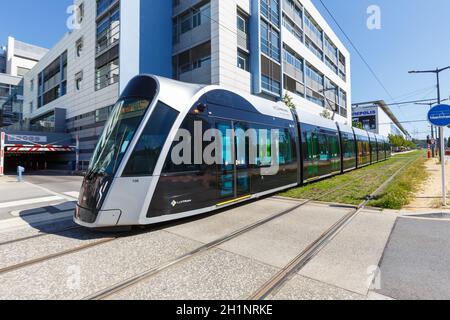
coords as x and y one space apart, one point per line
134 178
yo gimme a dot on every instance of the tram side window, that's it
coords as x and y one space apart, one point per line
188 165
323 144
349 146
285 146
312 143
334 146
286 154
148 149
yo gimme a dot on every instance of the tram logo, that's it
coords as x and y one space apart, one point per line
174 203
226 145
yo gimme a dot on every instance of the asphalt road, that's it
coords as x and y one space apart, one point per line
416 262
38 194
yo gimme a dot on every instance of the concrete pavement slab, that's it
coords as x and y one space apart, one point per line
302 288
218 225
416 262
16 253
216 274
349 260
34 221
27 231
278 242
13 191
78 275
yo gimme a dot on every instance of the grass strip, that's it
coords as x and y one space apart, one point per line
373 177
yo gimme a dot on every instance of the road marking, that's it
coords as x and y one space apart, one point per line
377 297
29 201
64 196
73 194
33 221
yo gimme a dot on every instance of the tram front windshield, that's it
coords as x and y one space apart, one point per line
117 135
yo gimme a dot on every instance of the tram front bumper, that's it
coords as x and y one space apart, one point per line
88 218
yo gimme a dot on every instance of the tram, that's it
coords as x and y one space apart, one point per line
172 150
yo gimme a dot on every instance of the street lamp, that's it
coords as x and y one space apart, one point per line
441 130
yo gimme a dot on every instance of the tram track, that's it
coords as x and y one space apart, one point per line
39 235
134 280
149 273
273 285
59 231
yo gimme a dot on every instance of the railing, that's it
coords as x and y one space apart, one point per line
242 39
107 79
108 38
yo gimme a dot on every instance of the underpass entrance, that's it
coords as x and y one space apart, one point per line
33 153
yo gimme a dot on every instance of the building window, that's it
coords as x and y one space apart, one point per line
293 28
80 13
101 115
53 81
270 85
108 30
242 23
191 19
32 85
192 59
242 30
270 41
107 74
78 80
270 9
243 60
79 47
103 5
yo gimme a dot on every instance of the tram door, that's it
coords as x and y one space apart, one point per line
233 171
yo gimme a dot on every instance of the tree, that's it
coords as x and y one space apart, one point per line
326 114
357 124
400 142
288 101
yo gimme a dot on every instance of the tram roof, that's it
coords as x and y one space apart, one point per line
315 120
187 92
361 132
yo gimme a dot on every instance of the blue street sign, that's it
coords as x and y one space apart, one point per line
439 116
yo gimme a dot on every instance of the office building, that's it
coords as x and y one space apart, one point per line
263 47
377 117
16 59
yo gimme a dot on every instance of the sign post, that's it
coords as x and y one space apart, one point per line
2 153
439 116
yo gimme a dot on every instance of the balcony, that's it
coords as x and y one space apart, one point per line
200 75
331 55
290 12
313 85
243 40
313 36
193 37
293 72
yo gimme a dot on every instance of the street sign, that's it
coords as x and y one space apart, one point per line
439 116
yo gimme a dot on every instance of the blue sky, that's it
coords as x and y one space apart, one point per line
413 36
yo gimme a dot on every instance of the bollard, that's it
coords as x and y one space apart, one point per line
20 171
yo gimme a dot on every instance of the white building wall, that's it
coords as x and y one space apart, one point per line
75 102
224 45
21 55
305 53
